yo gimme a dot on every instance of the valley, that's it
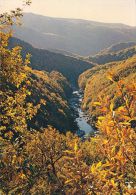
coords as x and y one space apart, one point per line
65 71
79 113
71 60
67 105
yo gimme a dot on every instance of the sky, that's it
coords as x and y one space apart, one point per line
112 11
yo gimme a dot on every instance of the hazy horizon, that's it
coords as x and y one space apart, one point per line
71 18
107 11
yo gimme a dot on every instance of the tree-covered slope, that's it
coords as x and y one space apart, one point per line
45 161
117 52
54 89
70 67
30 98
82 37
118 47
96 83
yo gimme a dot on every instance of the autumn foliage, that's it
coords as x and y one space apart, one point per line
48 162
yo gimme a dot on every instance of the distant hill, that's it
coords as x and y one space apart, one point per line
117 52
70 67
118 47
77 36
66 53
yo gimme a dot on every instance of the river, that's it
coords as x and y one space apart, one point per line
81 118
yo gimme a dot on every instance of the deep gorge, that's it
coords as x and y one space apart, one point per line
80 117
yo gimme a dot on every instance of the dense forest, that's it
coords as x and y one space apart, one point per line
96 84
54 89
40 152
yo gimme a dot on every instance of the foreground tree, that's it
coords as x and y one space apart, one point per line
14 110
116 172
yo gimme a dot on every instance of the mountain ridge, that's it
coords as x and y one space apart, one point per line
80 20
82 37
118 52
70 67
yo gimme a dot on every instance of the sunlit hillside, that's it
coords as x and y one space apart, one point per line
96 84
118 52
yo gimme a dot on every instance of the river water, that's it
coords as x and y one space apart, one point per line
81 117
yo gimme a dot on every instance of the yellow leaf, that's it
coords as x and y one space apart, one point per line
105 141
96 103
113 183
14 159
111 106
68 181
42 101
29 93
76 147
110 77
121 108
124 123
22 176
99 164
93 168
100 118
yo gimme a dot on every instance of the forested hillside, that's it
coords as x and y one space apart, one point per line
117 52
81 37
54 89
38 159
70 67
119 46
96 84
